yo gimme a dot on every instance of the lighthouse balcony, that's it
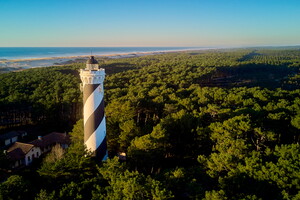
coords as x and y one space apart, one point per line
92 77
93 71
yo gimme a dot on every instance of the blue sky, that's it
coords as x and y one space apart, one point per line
149 22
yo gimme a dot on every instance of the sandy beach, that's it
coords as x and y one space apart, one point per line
7 65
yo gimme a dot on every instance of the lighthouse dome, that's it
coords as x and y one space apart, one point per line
91 60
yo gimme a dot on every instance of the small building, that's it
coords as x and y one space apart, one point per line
48 141
11 137
22 154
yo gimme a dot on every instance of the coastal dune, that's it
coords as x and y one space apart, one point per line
7 65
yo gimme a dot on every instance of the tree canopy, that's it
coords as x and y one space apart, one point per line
216 124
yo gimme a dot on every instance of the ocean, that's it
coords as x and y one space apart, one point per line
8 53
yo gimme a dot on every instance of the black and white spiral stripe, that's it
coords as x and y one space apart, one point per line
94 120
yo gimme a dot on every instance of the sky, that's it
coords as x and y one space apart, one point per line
133 23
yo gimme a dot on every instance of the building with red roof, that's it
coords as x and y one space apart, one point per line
22 154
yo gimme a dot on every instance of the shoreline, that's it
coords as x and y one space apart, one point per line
8 65
103 55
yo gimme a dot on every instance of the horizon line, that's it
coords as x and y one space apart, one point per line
214 46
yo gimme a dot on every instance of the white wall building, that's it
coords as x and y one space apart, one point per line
22 154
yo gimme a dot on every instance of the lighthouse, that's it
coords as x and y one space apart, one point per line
92 78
